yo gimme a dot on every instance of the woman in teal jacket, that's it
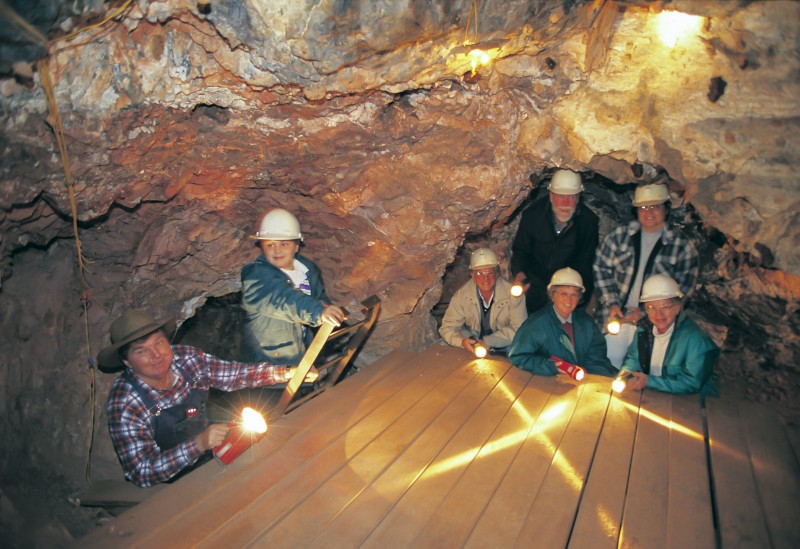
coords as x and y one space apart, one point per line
669 351
545 335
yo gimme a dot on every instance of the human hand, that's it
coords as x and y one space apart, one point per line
633 316
311 376
212 436
637 381
520 280
615 313
469 344
332 315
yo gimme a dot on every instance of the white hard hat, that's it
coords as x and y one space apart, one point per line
482 257
565 182
660 286
566 277
650 195
279 224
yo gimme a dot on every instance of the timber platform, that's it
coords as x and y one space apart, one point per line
438 449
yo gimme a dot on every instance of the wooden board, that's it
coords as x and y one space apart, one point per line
355 522
552 514
517 490
409 515
741 521
453 520
598 521
776 471
644 518
690 522
324 486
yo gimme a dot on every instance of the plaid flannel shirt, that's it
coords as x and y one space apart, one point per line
614 265
129 421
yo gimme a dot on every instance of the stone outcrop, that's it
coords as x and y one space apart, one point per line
364 119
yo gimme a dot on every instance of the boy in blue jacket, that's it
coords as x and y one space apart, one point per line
283 294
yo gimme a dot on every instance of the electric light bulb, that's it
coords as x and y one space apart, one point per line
480 350
516 290
253 421
613 327
672 26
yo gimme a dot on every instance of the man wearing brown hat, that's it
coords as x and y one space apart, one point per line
157 407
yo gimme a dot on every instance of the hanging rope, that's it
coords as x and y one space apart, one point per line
33 35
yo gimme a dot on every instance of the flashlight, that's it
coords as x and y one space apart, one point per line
613 327
480 350
621 381
241 436
575 372
516 290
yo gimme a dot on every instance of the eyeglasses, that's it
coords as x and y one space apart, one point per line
485 274
663 308
568 295
651 208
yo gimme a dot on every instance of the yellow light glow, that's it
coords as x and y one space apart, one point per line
516 290
613 327
253 421
674 26
618 385
480 351
668 423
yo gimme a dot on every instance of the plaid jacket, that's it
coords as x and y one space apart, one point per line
129 421
616 262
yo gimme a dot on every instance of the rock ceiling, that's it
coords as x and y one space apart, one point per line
185 120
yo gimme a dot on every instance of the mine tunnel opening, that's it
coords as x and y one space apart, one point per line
610 201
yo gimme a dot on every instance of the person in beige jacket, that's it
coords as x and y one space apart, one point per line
483 311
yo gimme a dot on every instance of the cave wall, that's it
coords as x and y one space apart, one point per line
361 117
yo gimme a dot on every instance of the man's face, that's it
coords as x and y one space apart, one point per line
485 278
565 299
150 358
563 205
652 217
662 313
280 253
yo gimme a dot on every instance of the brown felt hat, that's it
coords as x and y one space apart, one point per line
129 327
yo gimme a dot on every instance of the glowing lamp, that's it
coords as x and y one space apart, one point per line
516 290
613 327
480 350
575 372
673 26
621 381
241 436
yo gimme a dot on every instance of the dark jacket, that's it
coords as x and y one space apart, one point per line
539 252
542 336
277 312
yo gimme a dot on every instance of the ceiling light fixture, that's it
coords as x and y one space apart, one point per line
674 26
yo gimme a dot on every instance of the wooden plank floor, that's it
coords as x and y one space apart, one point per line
437 449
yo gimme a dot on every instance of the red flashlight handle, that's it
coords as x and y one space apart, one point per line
570 369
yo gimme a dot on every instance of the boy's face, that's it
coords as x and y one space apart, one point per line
280 253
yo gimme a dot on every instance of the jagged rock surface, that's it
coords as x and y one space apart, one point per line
182 128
